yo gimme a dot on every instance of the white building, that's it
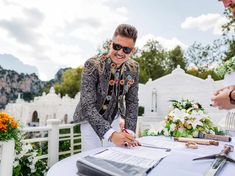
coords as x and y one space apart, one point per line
47 106
154 96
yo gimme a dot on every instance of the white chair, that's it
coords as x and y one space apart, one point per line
230 123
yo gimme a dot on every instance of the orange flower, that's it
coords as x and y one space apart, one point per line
8 127
6 121
3 127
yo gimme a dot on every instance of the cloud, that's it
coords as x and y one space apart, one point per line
53 34
205 23
168 44
122 10
23 29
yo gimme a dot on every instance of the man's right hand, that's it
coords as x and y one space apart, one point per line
120 138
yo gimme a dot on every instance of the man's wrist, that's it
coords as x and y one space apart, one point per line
111 137
232 96
108 134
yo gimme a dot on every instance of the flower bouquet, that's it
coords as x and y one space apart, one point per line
186 119
8 127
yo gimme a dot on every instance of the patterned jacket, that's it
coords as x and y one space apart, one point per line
107 90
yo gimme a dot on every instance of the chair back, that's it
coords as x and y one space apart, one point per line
230 122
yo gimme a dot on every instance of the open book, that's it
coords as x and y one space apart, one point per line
115 163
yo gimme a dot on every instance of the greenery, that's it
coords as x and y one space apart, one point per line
26 162
140 111
186 119
70 83
64 145
155 62
230 25
226 67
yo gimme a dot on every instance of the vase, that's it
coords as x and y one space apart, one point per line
7 155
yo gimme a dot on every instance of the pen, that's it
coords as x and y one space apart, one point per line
156 147
125 130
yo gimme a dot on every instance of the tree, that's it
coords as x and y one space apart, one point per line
71 82
203 74
206 57
175 57
231 50
225 67
152 61
230 25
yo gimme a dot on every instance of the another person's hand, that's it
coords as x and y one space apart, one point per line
124 139
221 99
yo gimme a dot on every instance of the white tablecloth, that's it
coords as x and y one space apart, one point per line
178 162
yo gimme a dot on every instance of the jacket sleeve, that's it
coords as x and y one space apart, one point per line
88 100
132 105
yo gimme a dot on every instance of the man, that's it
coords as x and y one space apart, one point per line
109 89
225 98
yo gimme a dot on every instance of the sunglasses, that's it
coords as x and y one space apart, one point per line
126 50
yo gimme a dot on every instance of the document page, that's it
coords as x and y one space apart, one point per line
150 153
121 161
124 158
162 142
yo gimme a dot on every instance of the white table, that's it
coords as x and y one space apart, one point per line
178 163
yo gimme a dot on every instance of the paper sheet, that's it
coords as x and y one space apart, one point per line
144 152
126 159
163 143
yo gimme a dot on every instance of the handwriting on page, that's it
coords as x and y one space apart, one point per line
127 159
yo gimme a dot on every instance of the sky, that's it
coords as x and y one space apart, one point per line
54 34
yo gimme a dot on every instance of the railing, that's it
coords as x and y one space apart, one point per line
49 134
7 157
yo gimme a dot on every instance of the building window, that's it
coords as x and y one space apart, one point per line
35 117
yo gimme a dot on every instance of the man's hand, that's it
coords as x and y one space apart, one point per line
220 98
122 138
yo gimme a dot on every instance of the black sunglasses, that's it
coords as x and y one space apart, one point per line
126 50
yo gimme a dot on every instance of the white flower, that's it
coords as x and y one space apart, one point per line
152 132
32 167
186 121
172 127
196 122
34 154
195 134
166 133
211 132
178 115
30 159
181 129
16 163
25 149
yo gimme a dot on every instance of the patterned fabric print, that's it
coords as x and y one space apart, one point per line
98 99
117 84
109 96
